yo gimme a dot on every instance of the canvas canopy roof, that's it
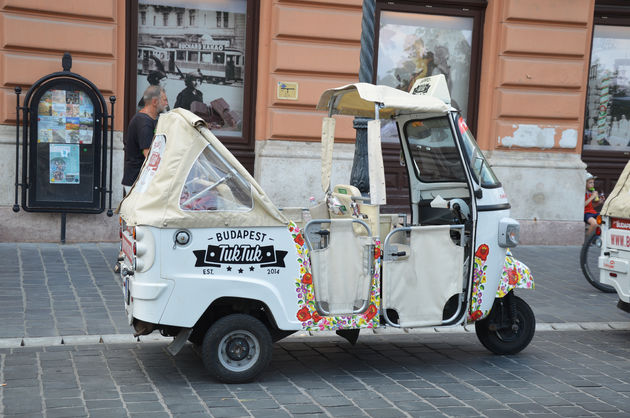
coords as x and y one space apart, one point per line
358 99
618 202
162 195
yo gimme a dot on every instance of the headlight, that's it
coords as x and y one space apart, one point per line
509 231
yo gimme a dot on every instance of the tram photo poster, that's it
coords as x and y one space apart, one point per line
196 51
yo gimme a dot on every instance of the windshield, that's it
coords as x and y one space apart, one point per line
482 173
433 150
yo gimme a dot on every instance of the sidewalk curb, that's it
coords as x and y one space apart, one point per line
115 339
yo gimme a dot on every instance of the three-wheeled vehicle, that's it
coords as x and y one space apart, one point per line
209 258
614 227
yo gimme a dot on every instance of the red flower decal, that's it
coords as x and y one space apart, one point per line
482 252
371 311
476 315
512 277
291 229
377 253
298 239
316 317
303 314
307 278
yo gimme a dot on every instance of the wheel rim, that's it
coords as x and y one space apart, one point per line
239 350
590 263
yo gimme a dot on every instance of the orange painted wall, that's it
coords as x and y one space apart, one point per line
34 34
315 44
534 68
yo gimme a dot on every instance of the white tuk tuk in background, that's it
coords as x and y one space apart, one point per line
210 259
614 224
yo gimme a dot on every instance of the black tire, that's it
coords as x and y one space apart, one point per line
588 261
236 348
503 339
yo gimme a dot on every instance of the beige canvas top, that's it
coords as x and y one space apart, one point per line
157 202
618 202
358 99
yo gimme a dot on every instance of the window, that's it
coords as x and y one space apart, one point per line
165 18
218 58
607 119
433 150
193 56
212 185
191 49
143 18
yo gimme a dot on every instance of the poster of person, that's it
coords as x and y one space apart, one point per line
607 119
414 45
196 51
64 163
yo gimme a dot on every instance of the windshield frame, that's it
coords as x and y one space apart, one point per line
480 169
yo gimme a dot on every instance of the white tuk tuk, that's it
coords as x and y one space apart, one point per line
614 227
209 258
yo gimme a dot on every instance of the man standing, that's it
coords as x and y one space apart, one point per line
138 140
140 132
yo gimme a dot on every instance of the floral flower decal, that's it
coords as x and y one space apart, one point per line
482 252
307 313
515 275
479 282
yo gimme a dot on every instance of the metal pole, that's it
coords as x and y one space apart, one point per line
112 100
18 90
63 228
360 169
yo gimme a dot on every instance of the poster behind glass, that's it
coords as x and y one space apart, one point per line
65 121
196 51
607 121
413 46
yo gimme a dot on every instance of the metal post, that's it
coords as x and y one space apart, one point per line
63 227
112 100
360 170
18 90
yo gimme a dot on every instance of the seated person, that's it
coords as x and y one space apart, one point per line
591 199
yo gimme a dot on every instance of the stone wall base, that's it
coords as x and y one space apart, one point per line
551 232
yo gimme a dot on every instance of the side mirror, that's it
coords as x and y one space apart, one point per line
478 192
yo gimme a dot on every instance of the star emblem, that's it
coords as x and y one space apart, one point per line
251 268
229 268
240 271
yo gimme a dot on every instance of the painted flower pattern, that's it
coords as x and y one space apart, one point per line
305 291
479 282
515 275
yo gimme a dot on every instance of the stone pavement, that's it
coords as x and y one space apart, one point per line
51 294
52 290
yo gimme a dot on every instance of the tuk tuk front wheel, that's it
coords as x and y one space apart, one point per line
509 327
236 348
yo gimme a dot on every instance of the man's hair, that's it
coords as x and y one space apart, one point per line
152 92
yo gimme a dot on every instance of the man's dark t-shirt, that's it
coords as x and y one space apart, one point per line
139 136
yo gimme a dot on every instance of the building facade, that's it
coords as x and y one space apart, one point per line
542 84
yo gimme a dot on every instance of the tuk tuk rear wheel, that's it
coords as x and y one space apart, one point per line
497 333
236 348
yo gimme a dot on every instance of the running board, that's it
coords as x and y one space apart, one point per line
179 341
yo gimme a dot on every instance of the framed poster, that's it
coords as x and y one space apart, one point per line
607 118
197 52
415 45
